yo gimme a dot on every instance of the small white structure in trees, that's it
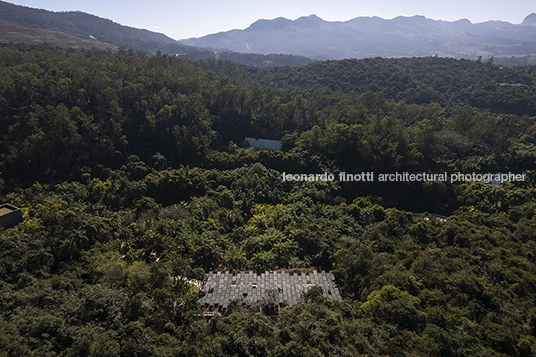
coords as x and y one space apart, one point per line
263 144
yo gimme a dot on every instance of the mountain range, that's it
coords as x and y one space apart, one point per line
81 30
364 37
282 41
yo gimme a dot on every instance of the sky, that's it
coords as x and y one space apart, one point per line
181 19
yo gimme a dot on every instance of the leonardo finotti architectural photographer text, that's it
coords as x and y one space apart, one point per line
498 178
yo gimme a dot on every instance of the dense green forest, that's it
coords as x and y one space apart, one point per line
131 173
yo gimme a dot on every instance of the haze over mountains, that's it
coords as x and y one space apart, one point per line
284 42
81 30
364 37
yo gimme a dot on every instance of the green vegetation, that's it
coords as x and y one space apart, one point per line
13 33
130 175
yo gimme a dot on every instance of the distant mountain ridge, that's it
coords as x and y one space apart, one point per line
364 37
85 25
81 30
282 41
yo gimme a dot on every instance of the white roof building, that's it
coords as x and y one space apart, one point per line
263 144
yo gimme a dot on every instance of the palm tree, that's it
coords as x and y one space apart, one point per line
74 244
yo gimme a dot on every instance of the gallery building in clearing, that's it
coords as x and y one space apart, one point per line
222 287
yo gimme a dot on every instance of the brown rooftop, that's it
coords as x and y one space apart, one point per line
9 215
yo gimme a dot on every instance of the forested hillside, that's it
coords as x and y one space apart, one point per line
80 30
131 174
421 80
10 32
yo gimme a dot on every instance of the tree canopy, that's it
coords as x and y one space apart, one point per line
131 175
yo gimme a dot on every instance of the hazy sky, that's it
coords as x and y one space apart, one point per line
181 19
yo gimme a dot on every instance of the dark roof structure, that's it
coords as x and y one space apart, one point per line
222 287
9 215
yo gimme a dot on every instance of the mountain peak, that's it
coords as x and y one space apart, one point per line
464 21
311 17
530 20
278 23
309 21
